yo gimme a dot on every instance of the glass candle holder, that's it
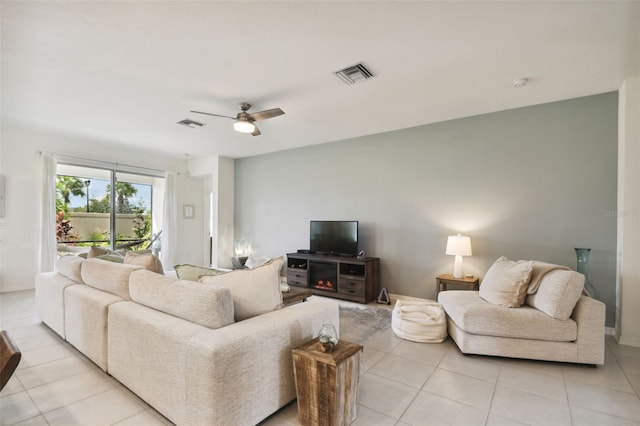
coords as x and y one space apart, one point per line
328 337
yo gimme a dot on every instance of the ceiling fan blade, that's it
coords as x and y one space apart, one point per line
268 113
256 132
215 115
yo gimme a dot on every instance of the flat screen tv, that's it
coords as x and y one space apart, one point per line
336 237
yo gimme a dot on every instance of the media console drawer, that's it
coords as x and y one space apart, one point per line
351 287
297 277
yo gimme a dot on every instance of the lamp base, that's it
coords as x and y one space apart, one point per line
457 267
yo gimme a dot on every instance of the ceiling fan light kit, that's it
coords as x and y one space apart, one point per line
243 121
244 126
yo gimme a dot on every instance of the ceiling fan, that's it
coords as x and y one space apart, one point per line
244 120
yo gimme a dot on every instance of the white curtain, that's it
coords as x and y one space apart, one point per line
48 243
169 247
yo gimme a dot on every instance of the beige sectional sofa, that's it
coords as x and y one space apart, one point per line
540 314
175 343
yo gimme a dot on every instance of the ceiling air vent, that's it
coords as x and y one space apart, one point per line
190 123
354 74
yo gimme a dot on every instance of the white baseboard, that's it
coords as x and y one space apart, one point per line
630 341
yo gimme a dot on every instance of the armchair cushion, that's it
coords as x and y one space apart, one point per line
475 316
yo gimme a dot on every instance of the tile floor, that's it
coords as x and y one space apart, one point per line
402 383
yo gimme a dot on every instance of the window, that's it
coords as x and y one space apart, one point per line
89 212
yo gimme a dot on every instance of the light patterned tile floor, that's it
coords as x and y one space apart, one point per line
402 383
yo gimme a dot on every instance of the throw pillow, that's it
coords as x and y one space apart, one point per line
111 258
70 266
208 306
557 294
96 251
254 291
192 272
147 260
506 282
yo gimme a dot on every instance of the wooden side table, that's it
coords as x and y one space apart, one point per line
327 383
444 280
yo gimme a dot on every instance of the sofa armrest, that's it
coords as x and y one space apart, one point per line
241 373
589 314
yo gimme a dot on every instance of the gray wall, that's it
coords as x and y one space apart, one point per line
529 183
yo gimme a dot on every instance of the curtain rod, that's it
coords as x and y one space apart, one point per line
106 164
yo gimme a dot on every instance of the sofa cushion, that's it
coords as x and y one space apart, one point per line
85 320
209 306
192 272
70 266
147 260
474 315
557 293
254 291
506 282
108 276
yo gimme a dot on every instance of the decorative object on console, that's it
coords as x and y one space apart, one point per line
383 297
583 263
458 246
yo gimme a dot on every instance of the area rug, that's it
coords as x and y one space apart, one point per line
359 323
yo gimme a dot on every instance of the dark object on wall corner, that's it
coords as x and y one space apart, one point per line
383 297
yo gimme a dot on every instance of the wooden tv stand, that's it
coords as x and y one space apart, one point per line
340 277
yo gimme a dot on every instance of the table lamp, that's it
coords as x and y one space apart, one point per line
458 246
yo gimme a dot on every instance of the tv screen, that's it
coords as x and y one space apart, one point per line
334 237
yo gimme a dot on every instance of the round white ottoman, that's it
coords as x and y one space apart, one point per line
423 322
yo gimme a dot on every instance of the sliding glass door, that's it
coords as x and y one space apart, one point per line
107 208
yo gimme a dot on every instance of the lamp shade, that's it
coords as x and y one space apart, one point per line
459 245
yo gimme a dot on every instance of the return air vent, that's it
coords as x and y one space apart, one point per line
354 74
190 123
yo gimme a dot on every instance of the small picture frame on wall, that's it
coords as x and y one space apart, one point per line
188 211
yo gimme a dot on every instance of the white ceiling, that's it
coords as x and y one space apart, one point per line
126 72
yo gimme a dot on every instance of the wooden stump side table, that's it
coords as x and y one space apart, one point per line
327 383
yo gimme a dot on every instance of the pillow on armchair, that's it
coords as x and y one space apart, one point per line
558 293
505 283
